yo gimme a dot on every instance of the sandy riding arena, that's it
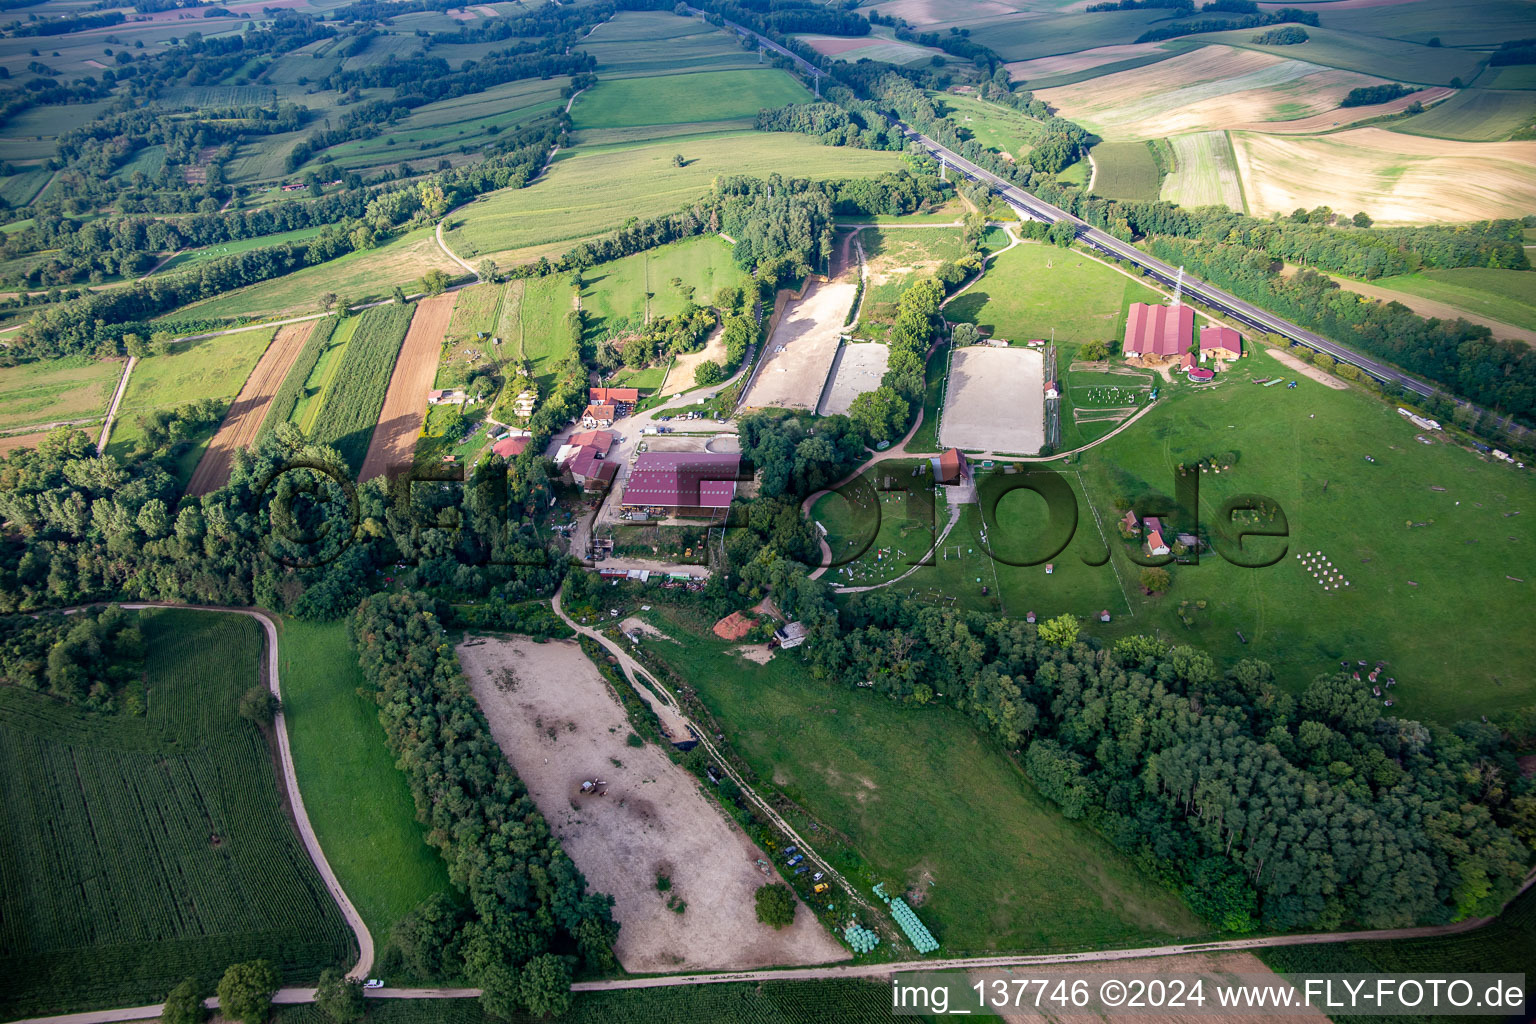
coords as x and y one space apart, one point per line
560 725
994 401
393 446
250 407
802 347
858 369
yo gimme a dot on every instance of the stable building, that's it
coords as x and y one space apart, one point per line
1158 332
623 400
949 467
447 396
689 484
1217 342
585 458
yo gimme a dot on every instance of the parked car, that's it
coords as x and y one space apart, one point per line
818 876
373 983
802 869
791 849
821 888
796 859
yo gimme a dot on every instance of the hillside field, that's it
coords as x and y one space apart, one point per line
656 42
592 191
1204 172
907 787
141 850
1474 115
682 99
55 390
1505 295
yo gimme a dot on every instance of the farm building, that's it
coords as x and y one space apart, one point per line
1188 362
585 457
1051 390
447 396
791 634
511 447
1129 524
1200 373
597 416
1155 544
1220 343
693 484
1158 332
622 399
523 404
949 467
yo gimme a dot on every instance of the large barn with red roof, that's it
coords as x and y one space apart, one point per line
694 484
1217 342
1158 332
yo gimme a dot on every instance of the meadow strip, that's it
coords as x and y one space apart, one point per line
286 398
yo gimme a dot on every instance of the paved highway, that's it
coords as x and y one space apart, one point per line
1244 312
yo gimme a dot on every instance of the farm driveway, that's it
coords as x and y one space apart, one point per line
554 716
249 409
393 446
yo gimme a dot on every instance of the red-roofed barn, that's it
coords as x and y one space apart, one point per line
1220 343
1158 332
690 484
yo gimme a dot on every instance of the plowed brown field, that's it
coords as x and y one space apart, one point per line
244 417
405 403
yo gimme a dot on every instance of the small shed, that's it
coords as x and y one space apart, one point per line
791 634
1104 615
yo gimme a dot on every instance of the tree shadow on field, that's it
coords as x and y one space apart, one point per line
967 307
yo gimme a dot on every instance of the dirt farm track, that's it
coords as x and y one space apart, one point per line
393 445
249 409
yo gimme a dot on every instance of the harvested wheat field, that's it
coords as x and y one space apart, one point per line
393 446
250 407
1397 179
1210 88
559 724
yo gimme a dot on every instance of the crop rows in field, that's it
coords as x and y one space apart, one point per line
1204 172
1474 115
286 399
141 850
1125 170
652 43
352 405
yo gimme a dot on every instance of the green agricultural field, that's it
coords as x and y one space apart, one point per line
683 99
193 257
1419 533
475 310
657 43
21 188
139 850
1474 115
998 128
357 800
1505 295
55 390
1519 76
285 400
897 256
1033 289
1015 38
363 276
321 375
440 129
1125 170
1204 173
351 408
544 339
907 787
1456 23
1371 55
593 191
211 368
848 1001
614 294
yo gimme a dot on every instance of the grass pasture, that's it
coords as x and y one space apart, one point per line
211 368
1375 55
141 850
683 99
357 800
1125 170
896 256
998 128
324 362
906 786
1396 178
55 390
352 403
1033 289
614 294
193 257
1204 173
1474 115
543 339
592 191
363 276
1394 527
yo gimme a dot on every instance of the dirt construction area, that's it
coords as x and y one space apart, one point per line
393 446
994 401
559 724
858 369
799 355
250 407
